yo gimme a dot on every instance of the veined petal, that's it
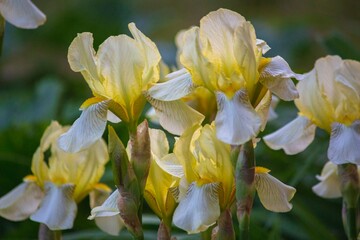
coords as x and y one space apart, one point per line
179 84
199 209
81 57
87 129
58 209
171 165
21 202
175 116
344 143
329 185
159 143
294 137
107 216
236 120
274 195
276 76
22 14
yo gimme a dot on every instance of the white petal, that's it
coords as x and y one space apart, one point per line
274 195
175 116
21 202
199 209
151 115
171 165
263 109
58 209
294 137
329 185
87 129
107 216
274 102
344 144
236 120
111 117
277 75
262 45
22 13
178 85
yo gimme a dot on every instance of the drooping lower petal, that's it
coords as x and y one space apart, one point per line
87 129
107 216
199 209
329 185
179 85
274 195
344 144
175 116
276 76
21 202
294 137
58 208
22 14
236 120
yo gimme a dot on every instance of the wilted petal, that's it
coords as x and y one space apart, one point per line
87 129
107 216
179 84
236 120
277 75
22 13
274 195
21 202
329 185
294 137
175 116
262 45
344 144
199 209
58 209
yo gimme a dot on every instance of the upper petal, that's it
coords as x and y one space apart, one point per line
276 76
274 195
199 209
58 209
344 143
22 14
178 85
175 116
21 202
294 137
87 129
329 185
236 120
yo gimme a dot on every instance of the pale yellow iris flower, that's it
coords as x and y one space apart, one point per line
119 75
157 190
51 194
329 99
329 185
224 56
21 13
206 188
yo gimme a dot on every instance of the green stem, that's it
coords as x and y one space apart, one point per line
226 228
46 234
349 185
245 187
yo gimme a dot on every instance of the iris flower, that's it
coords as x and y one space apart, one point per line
22 13
329 99
119 75
206 188
224 56
51 194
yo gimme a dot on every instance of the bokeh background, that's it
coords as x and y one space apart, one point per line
37 85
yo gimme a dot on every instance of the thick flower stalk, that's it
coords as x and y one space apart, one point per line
329 99
224 56
51 194
119 76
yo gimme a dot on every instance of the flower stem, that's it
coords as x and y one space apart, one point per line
245 187
164 231
46 234
226 228
349 184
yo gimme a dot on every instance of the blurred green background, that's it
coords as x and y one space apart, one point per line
37 85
